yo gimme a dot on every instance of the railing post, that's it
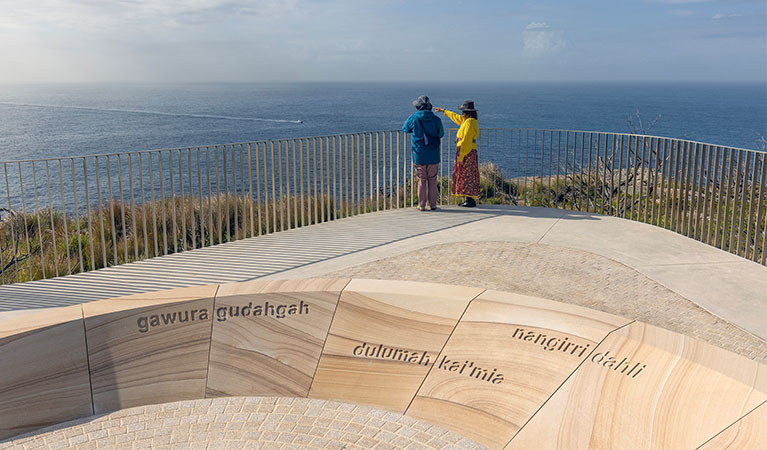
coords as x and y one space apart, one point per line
122 209
243 211
234 199
685 178
260 157
303 180
348 176
12 221
652 176
274 188
620 201
224 214
707 199
295 200
111 204
552 194
172 200
358 173
314 181
697 184
742 190
210 194
354 161
251 201
736 192
285 198
200 191
192 221
324 176
718 186
664 173
37 219
162 204
679 164
511 162
66 224
763 201
404 150
642 212
99 211
53 225
752 199
600 174
389 165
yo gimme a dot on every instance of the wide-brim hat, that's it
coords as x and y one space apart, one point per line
467 105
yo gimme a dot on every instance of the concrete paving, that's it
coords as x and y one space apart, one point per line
565 275
724 284
246 423
730 287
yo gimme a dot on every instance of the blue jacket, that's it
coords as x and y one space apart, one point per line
425 126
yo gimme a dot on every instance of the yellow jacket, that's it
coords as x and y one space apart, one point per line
466 138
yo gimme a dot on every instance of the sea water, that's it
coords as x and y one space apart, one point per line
53 121
46 121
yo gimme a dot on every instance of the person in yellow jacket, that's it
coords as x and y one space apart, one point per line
466 167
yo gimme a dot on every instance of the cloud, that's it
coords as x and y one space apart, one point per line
105 15
540 39
720 16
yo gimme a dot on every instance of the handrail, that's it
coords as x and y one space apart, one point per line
134 152
79 213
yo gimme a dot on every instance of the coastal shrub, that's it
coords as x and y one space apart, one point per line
49 242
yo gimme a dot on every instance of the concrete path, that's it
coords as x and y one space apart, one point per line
246 423
724 284
728 286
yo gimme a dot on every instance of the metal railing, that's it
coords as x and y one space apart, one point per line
75 214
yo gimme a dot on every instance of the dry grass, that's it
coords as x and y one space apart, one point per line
49 243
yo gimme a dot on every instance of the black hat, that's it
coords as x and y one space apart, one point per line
467 105
422 103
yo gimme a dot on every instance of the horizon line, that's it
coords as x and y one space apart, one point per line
139 82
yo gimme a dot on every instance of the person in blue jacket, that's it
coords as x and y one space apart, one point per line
427 131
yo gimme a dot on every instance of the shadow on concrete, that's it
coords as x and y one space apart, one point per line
261 256
242 260
519 211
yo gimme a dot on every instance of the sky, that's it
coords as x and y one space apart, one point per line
384 40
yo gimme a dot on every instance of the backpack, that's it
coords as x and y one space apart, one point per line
430 142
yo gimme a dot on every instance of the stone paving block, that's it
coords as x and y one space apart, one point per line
43 370
566 275
647 387
268 336
149 348
507 355
386 331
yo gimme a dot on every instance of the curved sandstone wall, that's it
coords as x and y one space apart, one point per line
503 369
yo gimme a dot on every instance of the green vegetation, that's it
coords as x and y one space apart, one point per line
729 217
48 243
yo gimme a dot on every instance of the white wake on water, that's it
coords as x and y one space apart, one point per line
156 113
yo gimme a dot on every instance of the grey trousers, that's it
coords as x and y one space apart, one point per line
427 184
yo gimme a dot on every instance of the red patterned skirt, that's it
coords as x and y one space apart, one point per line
466 175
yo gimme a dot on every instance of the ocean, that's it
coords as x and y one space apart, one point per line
47 121
53 121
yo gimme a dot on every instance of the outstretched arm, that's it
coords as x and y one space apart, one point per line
457 118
